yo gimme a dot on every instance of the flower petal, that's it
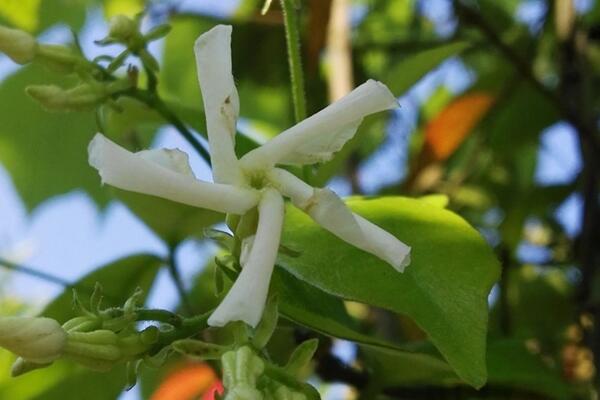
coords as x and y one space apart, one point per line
316 138
329 211
246 298
143 174
221 102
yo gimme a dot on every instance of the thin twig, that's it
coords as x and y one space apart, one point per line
292 38
35 273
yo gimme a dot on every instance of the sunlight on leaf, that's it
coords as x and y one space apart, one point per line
21 13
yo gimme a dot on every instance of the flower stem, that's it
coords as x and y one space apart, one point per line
292 38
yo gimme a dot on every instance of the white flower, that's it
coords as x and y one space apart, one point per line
255 180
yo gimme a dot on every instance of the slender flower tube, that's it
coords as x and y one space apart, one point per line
255 179
38 340
246 299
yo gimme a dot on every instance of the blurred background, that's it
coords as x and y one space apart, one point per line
499 112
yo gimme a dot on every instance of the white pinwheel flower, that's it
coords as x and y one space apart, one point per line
255 180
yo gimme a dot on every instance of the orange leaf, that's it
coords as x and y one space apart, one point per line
448 129
186 383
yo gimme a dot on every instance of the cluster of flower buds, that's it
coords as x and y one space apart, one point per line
97 339
127 32
246 374
97 85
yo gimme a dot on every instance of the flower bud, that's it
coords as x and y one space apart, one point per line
59 58
55 98
20 46
39 340
122 28
241 369
84 97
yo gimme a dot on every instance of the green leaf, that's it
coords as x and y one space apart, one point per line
309 306
402 368
173 222
45 153
444 289
119 280
404 74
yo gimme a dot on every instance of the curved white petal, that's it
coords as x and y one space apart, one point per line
173 159
316 138
141 173
246 299
221 102
329 211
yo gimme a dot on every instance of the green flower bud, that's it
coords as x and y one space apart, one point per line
54 98
84 97
122 28
20 46
59 58
39 340
241 369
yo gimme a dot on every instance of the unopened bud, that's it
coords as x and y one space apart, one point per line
84 97
241 369
122 28
20 46
39 340
59 58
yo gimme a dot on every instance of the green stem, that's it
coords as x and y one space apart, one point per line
34 272
152 100
159 315
292 38
189 327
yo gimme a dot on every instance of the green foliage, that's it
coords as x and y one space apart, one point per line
44 156
444 290
65 380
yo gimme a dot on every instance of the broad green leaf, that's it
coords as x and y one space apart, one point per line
444 289
45 153
317 310
402 368
119 280
64 380
173 222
